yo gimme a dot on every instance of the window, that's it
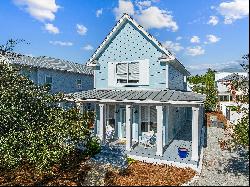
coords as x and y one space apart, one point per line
48 80
79 83
127 72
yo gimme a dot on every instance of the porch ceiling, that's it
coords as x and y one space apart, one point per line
138 96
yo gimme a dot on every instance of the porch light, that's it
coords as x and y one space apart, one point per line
117 111
135 111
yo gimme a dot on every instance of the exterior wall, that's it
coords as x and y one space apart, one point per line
65 81
31 73
176 119
129 44
175 79
62 81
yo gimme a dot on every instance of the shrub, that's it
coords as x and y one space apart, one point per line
33 129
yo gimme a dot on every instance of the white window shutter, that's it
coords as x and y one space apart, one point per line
144 72
111 74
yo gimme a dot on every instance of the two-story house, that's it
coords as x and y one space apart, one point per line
63 76
140 90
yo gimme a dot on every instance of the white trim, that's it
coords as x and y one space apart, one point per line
145 102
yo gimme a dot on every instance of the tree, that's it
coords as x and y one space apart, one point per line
205 84
33 129
241 85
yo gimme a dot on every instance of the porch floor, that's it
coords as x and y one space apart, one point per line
170 152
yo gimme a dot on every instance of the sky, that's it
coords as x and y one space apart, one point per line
202 34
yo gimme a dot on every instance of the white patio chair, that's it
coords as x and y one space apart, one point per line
145 139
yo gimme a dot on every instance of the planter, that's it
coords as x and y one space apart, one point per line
182 152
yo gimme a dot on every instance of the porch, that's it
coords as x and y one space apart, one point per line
174 117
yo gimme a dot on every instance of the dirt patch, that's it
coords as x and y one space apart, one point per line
219 115
145 174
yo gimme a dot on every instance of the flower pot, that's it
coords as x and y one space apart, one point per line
182 152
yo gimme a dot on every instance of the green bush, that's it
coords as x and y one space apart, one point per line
93 146
33 129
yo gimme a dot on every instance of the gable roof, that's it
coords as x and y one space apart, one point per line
167 55
48 63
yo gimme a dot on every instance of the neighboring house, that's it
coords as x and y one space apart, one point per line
227 95
63 76
141 89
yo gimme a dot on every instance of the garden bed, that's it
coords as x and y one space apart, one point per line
145 174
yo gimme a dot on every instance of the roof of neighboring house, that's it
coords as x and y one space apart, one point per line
233 77
132 95
167 55
48 63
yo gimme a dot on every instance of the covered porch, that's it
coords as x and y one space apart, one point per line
174 117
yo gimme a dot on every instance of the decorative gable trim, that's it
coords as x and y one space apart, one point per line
166 57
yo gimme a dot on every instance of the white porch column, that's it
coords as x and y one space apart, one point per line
166 139
195 133
139 122
128 128
159 135
102 122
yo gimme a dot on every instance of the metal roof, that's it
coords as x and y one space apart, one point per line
233 77
48 63
142 95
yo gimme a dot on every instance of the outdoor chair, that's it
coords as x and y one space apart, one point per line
147 139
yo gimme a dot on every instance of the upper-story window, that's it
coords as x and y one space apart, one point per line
48 80
79 83
127 72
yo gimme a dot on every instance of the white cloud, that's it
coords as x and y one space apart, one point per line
236 9
142 4
41 10
88 47
153 17
51 28
202 67
178 38
61 43
81 29
172 46
124 7
195 39
99 12
213 20
195 51
212 38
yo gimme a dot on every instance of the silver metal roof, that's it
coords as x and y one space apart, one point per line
48 63
154 95
233 77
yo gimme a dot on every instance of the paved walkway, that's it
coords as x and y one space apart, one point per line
222 167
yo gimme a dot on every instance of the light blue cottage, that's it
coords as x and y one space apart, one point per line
141 97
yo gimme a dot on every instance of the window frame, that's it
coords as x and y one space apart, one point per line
127 73
79 86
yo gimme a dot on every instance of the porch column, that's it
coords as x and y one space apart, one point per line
128 128
102 122
195 133
166 122
159 135
139 122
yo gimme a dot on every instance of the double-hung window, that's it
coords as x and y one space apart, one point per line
79 83
127 72
48 80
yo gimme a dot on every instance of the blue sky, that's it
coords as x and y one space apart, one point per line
201 33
